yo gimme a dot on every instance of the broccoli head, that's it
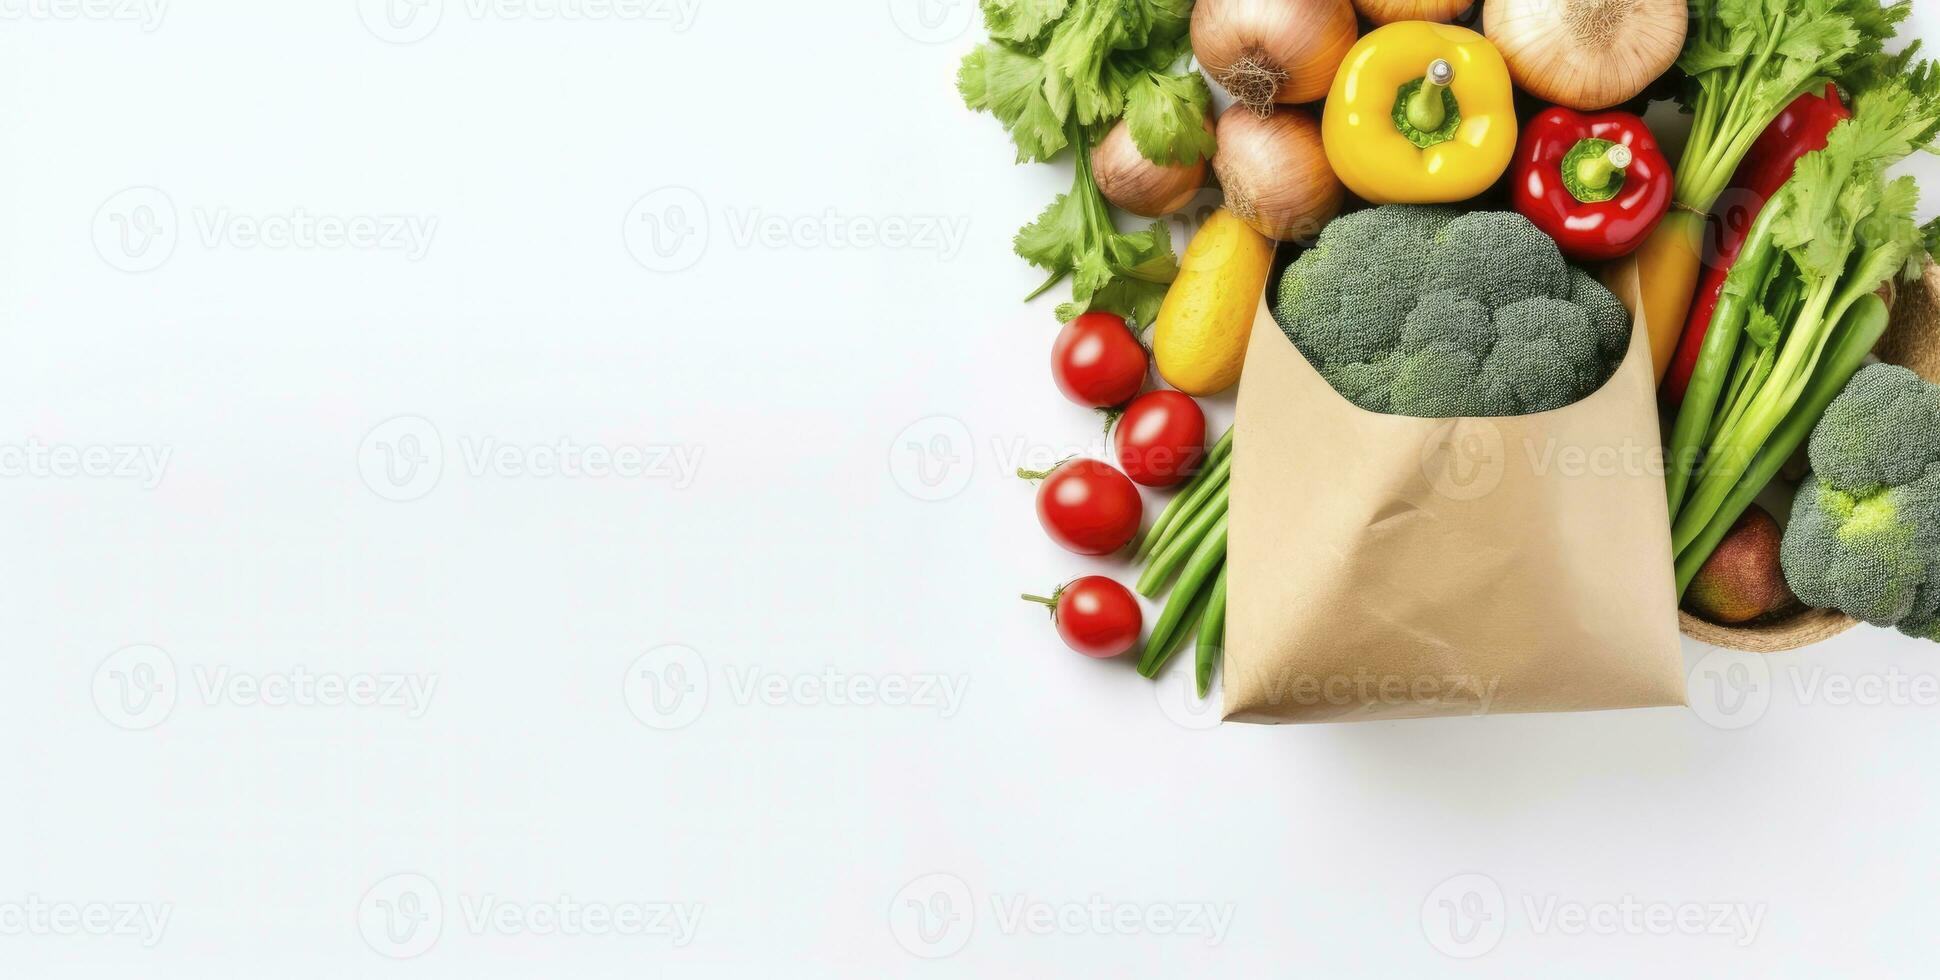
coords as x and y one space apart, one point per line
1437 313
1865 531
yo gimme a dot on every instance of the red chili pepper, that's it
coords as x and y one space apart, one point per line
1597 184
1802 128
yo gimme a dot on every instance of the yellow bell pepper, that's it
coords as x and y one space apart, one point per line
1420 113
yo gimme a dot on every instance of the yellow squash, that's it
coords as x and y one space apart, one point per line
1200 337
1657 280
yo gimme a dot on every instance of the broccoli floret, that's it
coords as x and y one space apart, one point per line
1431 312
1365 384
1448 318
1607 316
1434 382
1865 531
1497 257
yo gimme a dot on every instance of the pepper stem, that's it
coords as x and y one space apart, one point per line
1594 172
1425 109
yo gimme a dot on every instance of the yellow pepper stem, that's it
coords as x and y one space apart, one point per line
1425 110
1595 172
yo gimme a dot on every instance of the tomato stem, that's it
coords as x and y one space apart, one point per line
1036 475
1051 602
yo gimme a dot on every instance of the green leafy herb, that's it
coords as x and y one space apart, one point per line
1748 59
1057 74
1166 114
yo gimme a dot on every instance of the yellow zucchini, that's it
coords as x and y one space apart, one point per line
1199 339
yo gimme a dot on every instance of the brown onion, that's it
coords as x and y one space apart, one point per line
1586 54
1132 183
1267 51
1389 11
1275 172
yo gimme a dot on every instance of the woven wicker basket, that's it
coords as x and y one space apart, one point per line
1912 340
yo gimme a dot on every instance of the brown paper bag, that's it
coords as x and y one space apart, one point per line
1390 567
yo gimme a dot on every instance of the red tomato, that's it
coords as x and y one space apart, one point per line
1161 438
1097 362
1096 616
1088 507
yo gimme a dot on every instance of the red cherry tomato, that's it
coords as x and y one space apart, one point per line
1161 438
1096 616
1097 362
1087 507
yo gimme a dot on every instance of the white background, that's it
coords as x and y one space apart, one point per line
802 547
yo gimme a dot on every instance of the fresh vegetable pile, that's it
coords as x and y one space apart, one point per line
1799 312
1436 223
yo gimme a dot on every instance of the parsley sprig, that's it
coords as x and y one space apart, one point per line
1058 74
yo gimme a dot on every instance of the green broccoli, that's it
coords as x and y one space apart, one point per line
1437 313
1865 530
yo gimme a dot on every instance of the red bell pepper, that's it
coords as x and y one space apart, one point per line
1596 184
1802 128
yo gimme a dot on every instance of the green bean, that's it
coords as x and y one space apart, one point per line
1181 546
1220 449
1188 498
1184 507
1189 596
1212 635
1159 647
